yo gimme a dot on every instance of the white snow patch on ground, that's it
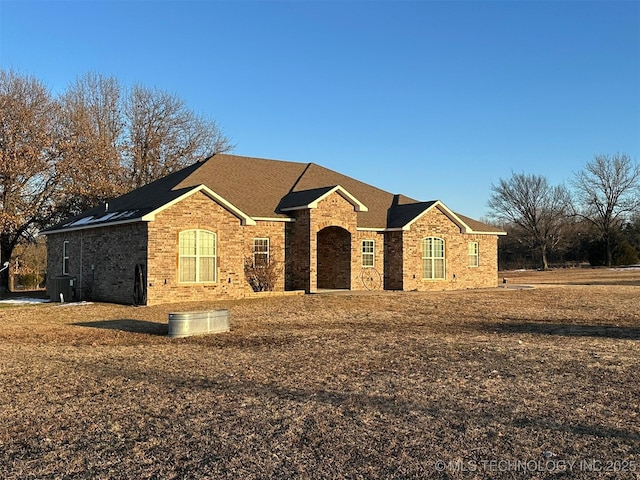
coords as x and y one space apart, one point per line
74 304
24 301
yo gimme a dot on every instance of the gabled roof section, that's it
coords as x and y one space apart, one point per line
401 217
377 200
257 188
304 199
142 204
244 218
254 185
479 227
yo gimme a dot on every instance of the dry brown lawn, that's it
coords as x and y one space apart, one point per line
576 276
503 383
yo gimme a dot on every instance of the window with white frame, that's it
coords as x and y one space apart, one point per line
368 253
197 256
433 258
472 254
260 252
65 257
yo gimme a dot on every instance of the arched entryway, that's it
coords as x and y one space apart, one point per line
334 258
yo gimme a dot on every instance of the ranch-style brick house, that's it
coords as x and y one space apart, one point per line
188 235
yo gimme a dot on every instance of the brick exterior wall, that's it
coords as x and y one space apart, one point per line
376 274
196 212
332 211
102 260
436 224
322 248
393 260
275 232
299 244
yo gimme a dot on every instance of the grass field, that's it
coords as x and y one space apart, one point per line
503 383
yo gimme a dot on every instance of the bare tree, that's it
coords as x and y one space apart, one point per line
60 156
607 191
92 129
529 202
114 140
164 135
27 160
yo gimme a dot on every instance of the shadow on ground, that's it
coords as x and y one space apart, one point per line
538 328
128 325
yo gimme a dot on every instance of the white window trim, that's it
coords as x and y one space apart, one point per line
372 254
268 252
65 257
198 256
433 259
473 255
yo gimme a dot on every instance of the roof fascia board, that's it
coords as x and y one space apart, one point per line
357 204
272 219
488 233
244 218
401 229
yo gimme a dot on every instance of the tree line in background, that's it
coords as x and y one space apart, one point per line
595 220
60 155
97 140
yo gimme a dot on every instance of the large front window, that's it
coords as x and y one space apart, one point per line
197 259
433 258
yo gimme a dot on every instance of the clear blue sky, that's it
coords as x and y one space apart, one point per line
435 100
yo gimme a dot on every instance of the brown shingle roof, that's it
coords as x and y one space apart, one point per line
400 215
301 197
258 187
479 226
254 185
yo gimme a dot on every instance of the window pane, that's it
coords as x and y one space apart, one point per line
472 252
438 248
426 248
433 261
188 243
438 268
187 269
260 245
368 257
260 252
207 269
197 256
427 271
261 259
206 244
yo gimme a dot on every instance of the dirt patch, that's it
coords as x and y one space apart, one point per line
328 386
